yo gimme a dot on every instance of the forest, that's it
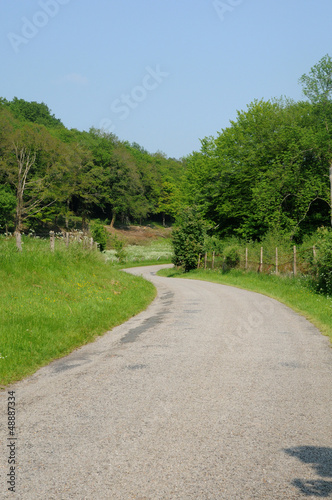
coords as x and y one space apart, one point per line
269 170
51 176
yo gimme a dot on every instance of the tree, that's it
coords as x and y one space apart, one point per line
200 177
322 265
120 189
32 163
33 112
84 185
317 87
7 206
99 234
265 171
168 203
188 239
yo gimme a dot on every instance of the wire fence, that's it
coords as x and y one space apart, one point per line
281 262
63 237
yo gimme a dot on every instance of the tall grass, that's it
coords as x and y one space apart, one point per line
51 303
160 250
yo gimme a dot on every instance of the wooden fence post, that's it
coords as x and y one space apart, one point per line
261 261
314 252
205 260
91 243
213 255
67 239
294 260
246 264
52 240
277 263
199 261
18 241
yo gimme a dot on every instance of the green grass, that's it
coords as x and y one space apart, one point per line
54 303
295 293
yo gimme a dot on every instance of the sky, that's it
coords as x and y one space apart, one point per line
161 73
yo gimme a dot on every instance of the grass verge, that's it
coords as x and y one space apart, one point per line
294 293
52 303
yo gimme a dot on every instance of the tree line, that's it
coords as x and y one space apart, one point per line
50 174
269 170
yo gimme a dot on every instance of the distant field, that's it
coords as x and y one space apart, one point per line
159 250
140 235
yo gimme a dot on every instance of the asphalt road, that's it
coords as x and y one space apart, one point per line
211 393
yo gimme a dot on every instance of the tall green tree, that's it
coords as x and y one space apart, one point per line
317 84
33 112
32 163
188 238
7 206
169 199
317 87
265 171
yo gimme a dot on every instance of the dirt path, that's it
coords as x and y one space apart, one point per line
211 393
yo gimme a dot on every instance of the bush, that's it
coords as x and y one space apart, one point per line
323 263
99 234
213 244
188 239
119 245
231 258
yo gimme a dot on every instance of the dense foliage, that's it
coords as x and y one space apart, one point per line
188 239
269 170
323 262
50 175
99 234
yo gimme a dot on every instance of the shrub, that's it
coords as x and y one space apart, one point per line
99 234
119 247
231 258
213 244
323 263
188 239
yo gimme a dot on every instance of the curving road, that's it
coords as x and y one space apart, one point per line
211 393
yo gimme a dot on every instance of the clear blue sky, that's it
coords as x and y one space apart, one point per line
163 73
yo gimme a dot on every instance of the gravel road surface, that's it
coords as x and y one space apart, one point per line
211 393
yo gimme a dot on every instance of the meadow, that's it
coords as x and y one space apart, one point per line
155 251
52 303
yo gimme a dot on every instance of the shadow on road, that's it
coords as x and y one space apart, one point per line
321 461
